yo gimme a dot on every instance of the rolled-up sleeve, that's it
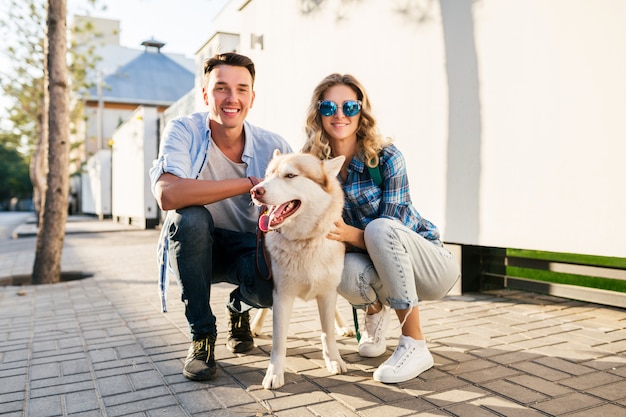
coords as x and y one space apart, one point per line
175 151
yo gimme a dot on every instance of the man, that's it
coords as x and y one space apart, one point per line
207 164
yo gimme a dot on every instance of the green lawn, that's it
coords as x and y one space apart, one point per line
566 278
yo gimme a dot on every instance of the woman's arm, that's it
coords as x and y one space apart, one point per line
347 234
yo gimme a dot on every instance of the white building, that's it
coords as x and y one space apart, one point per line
510 113
126 79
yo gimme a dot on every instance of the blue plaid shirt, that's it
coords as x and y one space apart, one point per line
365 201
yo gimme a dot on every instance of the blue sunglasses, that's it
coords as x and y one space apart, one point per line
328 108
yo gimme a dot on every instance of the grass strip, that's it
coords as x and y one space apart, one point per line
570 279
572 258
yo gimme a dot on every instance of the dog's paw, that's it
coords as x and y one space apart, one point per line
336 366
273 379
345 331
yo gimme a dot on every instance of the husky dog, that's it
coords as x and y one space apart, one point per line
304 199
256 325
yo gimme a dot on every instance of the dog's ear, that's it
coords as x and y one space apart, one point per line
333 166
276 153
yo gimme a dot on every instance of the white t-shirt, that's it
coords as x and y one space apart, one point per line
236 213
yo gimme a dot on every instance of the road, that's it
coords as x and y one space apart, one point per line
9 220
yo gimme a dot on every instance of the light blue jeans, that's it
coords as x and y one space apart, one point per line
399 269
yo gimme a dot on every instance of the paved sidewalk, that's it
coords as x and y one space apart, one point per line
101 347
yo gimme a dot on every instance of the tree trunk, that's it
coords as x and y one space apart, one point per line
39 161
51 231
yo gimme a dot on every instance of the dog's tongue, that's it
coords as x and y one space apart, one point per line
274 215
264 222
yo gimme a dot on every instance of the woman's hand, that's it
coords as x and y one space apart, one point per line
347 234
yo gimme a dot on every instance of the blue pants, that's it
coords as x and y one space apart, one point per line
200 254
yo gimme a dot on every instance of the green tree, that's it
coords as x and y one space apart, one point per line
23 29
23 84
13 170
26 86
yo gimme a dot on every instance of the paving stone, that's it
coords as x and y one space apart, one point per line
611 362
292 412
102 346
47 370
539 370
505 407
145 379
621 371
77 379
589 381
514 392
460 362
568 403
81 402
140 406
57 390
287 402
199 402
355 397
321 377
45 407
509 358
128 366
332 408
75 366
453 396
540 385
409 407
418 387
489 374
563 365
11 407
612 392
614 347
607 410
116 396
470 410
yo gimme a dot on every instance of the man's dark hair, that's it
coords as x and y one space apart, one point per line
229 58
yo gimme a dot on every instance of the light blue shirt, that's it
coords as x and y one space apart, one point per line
185 146
184 152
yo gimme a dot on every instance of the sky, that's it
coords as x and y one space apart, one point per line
183 25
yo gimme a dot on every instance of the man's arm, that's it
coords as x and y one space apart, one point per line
172 192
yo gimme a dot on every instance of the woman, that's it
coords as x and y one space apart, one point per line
394 256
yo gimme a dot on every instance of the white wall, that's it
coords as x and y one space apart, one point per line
509 112
553 98
134 149
96 184
111 120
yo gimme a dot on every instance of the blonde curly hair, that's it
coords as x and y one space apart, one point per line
369 140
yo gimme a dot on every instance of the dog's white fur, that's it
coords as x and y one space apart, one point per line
305 263
256 326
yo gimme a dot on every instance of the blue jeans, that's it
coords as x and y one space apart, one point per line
200 254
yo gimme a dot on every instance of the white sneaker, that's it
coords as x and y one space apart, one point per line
410 359
372 342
